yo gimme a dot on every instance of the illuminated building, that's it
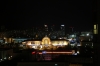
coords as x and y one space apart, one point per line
62 27
13 40
45 43
86 43
96 42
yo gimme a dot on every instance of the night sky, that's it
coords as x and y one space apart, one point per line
24 14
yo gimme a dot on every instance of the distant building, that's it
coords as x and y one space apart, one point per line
96 42
45 27
86 43
86 33
82 38
45 43
62 27
96 30
13 40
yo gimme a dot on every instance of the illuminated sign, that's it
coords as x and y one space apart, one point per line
43 52
62 25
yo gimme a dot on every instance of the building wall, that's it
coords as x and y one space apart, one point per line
96 14
59 42
86 43
44 45
84 38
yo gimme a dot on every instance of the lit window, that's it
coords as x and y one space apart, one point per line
95 27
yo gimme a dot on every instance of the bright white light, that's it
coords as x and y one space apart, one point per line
5 58
56 64
73 35
78 52
87 34
62 25
75 54
33 46
69 39
29 43
45 25
78 44
41 46
44 52
60 38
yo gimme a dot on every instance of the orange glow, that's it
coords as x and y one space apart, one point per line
56 52
46 40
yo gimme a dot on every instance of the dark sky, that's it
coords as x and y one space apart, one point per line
31 13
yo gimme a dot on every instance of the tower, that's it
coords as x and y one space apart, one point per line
45 27
96 44
62 27
96 31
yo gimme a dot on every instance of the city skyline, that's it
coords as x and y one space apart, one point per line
54 33
29 14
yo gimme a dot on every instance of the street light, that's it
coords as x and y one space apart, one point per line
87 34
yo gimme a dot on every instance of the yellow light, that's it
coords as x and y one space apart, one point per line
95 27
95 32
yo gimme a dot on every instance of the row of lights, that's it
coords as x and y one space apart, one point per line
5 58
